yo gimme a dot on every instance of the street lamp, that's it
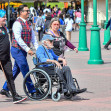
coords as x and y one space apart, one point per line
82 32
106 32
95 48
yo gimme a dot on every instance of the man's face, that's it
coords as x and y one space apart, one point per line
25 12
3 20
49 44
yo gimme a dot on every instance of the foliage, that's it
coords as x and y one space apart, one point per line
29 4
60 4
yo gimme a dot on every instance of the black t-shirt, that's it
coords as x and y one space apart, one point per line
4 44
58 50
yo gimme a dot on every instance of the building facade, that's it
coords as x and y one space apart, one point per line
101 10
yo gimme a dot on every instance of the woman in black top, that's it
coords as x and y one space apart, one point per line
5 62
60 41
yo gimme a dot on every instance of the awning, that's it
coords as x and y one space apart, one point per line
38 0
21 0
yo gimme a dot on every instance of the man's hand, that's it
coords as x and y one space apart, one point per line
30 52
76 50
58 64
64 62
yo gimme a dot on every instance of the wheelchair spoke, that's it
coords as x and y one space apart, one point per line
41 90
40 85
42 78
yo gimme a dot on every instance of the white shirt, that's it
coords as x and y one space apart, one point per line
46 9
68 23
17 29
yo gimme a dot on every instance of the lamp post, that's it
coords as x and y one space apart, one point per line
106 32
95 48
82 32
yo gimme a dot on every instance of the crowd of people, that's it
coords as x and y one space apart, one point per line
69 19
51 22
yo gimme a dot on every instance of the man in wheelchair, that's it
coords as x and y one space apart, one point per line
45 54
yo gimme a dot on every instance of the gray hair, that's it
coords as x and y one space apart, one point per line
53 20
43 41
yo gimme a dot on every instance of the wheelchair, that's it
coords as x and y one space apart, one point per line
44 83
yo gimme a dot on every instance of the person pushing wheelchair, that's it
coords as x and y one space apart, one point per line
45 54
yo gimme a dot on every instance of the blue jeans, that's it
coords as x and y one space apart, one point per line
20 65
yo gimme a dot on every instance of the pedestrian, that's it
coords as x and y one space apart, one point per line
70 12
47 22
13 18
40 26
69 25
62 24
53 14
108 43
5 60
60 41
77 19
23 35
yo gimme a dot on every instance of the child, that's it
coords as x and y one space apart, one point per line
69 26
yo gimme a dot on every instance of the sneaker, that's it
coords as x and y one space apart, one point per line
6 93
18 99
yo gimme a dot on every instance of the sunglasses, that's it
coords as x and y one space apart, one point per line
56 24
26 11
51 41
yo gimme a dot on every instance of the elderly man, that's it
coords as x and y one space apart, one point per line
46 54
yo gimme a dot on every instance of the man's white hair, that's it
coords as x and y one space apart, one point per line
43 41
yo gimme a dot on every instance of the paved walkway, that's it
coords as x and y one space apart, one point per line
96 78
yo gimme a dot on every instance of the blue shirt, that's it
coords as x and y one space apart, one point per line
42 55
61 21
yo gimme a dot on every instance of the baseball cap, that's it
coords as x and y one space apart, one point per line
47 37
2 13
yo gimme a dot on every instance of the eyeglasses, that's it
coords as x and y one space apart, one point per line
56 24
51 41
26 11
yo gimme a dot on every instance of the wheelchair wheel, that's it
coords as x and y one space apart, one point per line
56 97
40 84
68 95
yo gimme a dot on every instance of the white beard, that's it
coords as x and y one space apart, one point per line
50 47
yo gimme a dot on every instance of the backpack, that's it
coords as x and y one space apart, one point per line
40 23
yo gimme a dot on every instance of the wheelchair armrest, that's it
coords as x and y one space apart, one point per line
45 63
36 63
